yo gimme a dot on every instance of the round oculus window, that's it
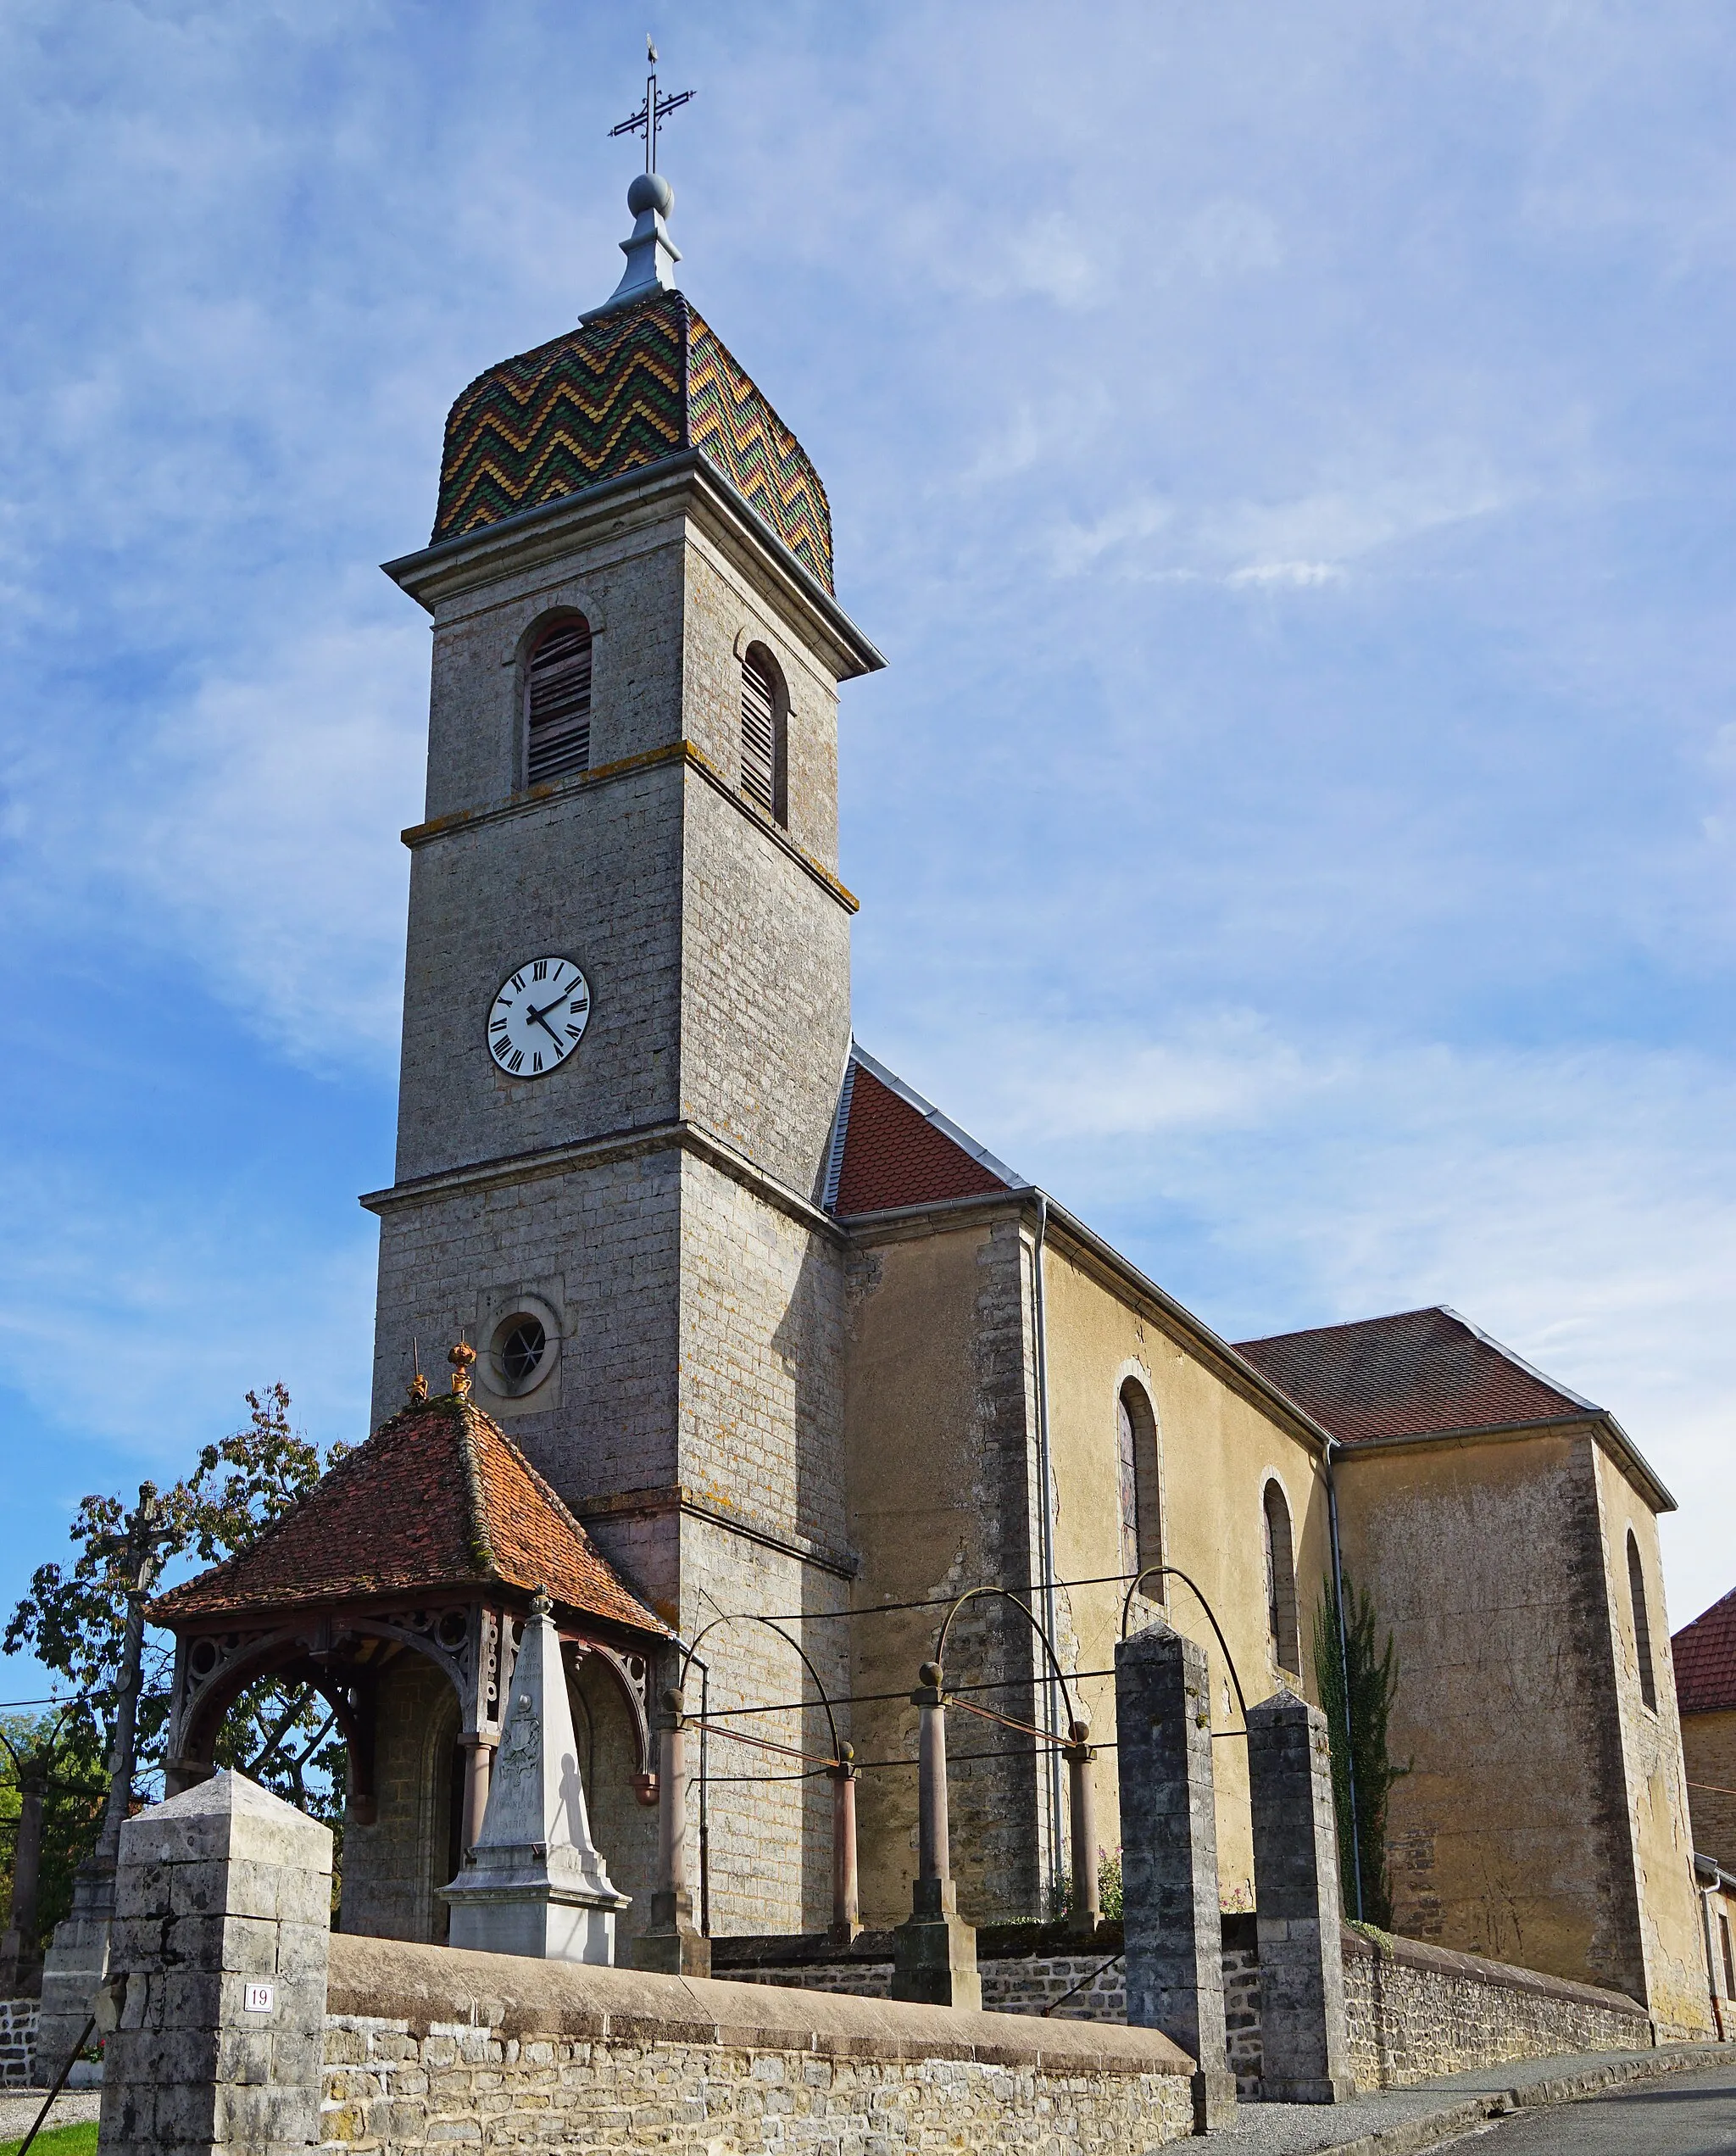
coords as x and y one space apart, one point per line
519 1352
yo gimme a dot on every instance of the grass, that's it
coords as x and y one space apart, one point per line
58 2141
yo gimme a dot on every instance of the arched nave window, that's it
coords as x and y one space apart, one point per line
1141 1511
1281 1581
1642 1624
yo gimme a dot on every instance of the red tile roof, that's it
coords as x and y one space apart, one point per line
897 1149
1704 1655
1408 1375
439 1496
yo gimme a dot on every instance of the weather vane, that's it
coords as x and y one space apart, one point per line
652 114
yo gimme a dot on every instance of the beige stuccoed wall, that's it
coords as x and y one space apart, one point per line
1709 1752
1488 1560
1217 1447
940 1417
1671 1919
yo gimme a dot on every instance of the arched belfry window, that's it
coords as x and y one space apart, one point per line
1141 1513
1281 1581
765 714
1642 1624
558 701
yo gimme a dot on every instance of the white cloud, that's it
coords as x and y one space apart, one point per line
1299 574
1579 1203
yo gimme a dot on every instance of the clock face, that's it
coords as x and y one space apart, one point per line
538 1018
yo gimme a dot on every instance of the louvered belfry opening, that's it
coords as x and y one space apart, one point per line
761 776
557 703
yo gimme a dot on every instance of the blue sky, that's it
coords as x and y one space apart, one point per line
1285 455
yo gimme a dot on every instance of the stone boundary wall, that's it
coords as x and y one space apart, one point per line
1025 1969
18 2042
1412 2010
1241 2002
1416 2010
426 2047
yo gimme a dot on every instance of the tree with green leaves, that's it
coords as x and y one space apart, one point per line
1359 1681
52 1791
74 1619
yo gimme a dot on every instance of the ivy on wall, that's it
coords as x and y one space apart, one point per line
1359 1681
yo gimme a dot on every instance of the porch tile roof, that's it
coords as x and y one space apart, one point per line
438 1497
1704 1656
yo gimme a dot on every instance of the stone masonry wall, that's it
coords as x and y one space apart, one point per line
939 1438
459 2046
391 2090
1241 2002
18 2042
1415 2011
1078 1986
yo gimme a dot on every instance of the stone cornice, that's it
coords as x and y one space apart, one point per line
678 1132
650 1504
687 753
453 566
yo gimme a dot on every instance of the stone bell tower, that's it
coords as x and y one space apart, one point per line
628 869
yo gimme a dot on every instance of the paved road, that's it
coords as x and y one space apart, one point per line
1684 2115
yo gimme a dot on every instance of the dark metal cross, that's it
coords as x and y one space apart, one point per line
654 110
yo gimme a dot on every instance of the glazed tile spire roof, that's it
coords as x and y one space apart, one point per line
890 1147
438 1497
626 388
1704 1656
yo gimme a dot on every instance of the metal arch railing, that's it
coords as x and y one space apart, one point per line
1007 1595
1175 1571
751 1617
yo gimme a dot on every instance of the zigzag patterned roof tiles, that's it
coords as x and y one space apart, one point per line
438 1497
1704 1656
616 394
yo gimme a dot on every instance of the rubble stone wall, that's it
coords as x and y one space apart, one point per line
18 2042
1416 2010
458 2046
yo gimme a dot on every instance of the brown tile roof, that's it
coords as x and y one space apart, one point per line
1408 1375
1704 1655
893 1148
439 1496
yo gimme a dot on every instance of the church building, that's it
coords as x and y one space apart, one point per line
762 1357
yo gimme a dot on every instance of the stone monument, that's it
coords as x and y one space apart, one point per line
535 1883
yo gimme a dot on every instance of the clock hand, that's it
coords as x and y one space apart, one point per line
538 1018
541 1017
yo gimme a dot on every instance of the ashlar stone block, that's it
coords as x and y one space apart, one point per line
1306 2052
219 2001
1170 1920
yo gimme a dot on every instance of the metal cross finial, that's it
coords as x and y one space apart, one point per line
654 110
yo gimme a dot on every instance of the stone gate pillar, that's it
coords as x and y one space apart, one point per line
217 1975
1170 1922
1305 2053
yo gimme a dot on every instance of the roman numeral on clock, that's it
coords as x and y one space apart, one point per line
522 1032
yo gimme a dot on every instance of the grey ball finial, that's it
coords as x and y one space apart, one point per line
650 191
